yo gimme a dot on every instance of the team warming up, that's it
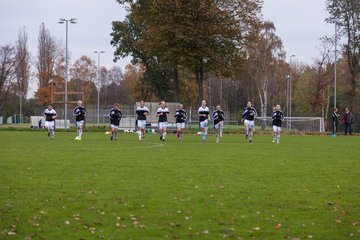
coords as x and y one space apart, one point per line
162 113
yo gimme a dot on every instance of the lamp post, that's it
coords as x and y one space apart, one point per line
98 87
335 53
290 90
73 21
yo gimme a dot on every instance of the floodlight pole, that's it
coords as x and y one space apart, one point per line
335 53
290 90
98 87
66 21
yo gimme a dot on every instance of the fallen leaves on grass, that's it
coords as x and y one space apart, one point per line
36 225
277 226
11 233
205 231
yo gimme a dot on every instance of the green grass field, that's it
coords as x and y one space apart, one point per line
305 187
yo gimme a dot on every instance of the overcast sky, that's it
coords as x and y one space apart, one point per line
299 23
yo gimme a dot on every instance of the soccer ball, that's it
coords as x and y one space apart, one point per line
198 133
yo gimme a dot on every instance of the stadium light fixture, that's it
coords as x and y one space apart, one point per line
61 21
98 87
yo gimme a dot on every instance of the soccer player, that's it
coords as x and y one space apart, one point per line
50 115
249 120
141 111
162 113
204 113
277 118
335 121
115 117
180 116
79 113
218 116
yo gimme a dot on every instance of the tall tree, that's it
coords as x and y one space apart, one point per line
83 73
7 73
50 59
201 36
322 74
22 57
264 53
346 14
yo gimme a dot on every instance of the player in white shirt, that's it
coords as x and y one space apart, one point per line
50 115
141 111
204 113
162 113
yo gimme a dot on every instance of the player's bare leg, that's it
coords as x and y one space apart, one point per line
221 128
116 134
246 128
250 134
139 133
217 134
274 136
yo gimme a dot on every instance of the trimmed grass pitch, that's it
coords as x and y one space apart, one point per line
305 187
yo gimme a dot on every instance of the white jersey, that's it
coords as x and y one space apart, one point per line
163 112
49 114
204 111
141 112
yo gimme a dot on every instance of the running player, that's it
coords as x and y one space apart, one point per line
115 117
277 118
79 113
141 111
162 113
204 113
50 115
218 117
180 116
249 120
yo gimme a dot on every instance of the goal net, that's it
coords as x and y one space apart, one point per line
293 124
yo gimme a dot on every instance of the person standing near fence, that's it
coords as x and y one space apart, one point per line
115 117
248 118
277 118
50 115
335 119
141 111
218 116
162 113
204 113
79 113
180 118
347 119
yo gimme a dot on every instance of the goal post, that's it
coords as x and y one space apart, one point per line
294 124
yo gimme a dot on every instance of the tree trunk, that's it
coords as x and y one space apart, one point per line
200 83
353 93
261 107
176 84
